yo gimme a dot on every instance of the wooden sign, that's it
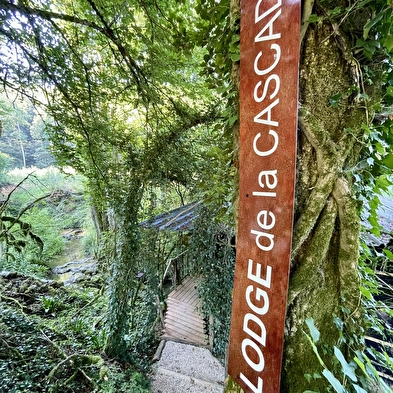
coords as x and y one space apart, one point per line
269 66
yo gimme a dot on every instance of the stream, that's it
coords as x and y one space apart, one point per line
73 265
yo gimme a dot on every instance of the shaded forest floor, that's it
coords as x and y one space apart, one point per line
51 340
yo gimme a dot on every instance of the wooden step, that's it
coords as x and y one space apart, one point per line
183 320
174 318
182 306
185 336
195 302
196 325
184 330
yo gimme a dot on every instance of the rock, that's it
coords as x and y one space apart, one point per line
76 271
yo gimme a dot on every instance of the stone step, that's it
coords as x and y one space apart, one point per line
167 381
184 368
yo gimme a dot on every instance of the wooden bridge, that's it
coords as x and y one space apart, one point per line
183 320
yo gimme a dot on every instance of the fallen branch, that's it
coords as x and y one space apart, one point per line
12 349
77 361
14 300
77 358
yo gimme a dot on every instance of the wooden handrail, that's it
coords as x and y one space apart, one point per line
171 260
174 283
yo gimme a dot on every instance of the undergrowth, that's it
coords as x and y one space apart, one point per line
52 339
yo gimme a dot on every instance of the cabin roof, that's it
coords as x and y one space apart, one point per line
179 219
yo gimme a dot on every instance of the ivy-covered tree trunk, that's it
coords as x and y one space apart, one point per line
324 278
123 271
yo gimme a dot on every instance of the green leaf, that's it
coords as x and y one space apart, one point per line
388 42
359 389
366 293
383 182
372 23
348 369
313 330
235 57
314 18
371 369
336 11
334 100
388 161
232 120
334 382
361 366
315 349
308 377
388 253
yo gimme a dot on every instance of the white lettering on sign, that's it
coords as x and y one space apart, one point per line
268 152
258 303
265 144
269 59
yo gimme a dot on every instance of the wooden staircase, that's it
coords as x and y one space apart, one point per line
183 321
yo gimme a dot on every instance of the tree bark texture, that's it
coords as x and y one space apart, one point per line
122 282
324 280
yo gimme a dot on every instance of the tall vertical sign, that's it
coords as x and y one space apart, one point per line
269 58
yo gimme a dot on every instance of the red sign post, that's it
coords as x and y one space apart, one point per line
269 58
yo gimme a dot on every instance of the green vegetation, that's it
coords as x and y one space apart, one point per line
142 103
52 337
212 250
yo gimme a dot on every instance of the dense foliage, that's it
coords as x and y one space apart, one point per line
143 100
52 337
121 85
22 137
51 340
213 254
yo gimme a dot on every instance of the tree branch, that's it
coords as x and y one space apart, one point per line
307 8
316 251
48 15
316 202
349 240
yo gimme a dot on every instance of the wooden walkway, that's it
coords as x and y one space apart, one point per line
183 322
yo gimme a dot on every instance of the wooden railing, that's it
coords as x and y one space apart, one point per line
181 269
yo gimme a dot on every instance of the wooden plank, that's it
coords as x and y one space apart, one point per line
183 330
269 71
179 303
189 329
196 325
178 340
157 355
187 320
185 291
186 336
183 321
185 296
188 283
192 302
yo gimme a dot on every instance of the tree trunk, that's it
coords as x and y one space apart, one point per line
324 280
122 273
21 147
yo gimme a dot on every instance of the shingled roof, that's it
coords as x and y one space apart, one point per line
179 219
